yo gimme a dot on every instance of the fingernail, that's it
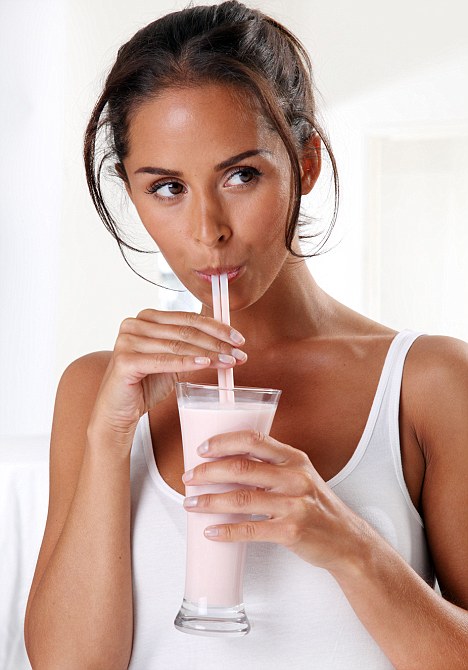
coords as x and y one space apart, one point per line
224 358
191 501
202 360
203 448
187 476
236 337
211 531
239 355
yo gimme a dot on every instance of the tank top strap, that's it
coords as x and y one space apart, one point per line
382 422
392 372
382 449
373 482
386 406
389 389
390 409
397 355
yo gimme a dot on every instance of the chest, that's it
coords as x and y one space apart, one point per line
323 411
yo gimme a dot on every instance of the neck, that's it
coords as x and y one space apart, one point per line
293 308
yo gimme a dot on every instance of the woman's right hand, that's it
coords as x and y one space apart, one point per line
149 352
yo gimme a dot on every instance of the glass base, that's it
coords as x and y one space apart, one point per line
212 621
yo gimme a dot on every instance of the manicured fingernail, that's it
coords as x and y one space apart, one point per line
203 448
187 476
236 337
202 360
224 358
211 531
240 355
191 501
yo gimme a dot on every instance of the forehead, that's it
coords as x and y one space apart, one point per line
198 118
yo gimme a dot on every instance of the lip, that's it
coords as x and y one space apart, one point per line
232 271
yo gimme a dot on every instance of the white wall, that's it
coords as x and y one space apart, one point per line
418 232
31 170
428 102
384 69
64 287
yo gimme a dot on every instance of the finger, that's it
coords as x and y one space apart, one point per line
203 323
250 443
237 470
272 530
241 501
140 344
179 333
134 366
294 481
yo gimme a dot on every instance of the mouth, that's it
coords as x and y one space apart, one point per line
232 272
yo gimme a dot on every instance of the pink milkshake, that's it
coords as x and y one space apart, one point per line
213 601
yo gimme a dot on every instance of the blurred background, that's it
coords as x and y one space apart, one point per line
393 82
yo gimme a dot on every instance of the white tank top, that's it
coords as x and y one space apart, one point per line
298 614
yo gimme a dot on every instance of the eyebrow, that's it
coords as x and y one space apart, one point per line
221 166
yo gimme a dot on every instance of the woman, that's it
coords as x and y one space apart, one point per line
211 123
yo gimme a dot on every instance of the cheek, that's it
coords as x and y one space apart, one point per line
146 211
274 216
156 223
267 211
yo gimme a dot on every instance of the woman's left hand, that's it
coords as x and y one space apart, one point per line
303 513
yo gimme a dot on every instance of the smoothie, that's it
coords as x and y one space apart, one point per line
214 569
213 601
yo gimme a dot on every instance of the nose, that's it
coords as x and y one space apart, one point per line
210 225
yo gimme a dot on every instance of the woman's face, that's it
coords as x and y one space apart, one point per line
212 186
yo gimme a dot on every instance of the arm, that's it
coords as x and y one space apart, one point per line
79 610
415 627
79 613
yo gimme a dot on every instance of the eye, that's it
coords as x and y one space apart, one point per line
245 175
173 189
170 189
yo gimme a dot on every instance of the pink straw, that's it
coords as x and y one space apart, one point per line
220 293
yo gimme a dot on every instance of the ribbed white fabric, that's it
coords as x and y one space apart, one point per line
299 616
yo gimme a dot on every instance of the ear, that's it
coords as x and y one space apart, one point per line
311 163
119 168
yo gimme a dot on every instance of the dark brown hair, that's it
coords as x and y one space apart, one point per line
227 43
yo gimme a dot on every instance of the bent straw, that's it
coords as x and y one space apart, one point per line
220 293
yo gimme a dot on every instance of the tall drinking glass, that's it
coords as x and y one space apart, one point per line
213 600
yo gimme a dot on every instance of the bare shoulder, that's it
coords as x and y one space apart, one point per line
90 365
77 391
437 353
74 402
436 381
